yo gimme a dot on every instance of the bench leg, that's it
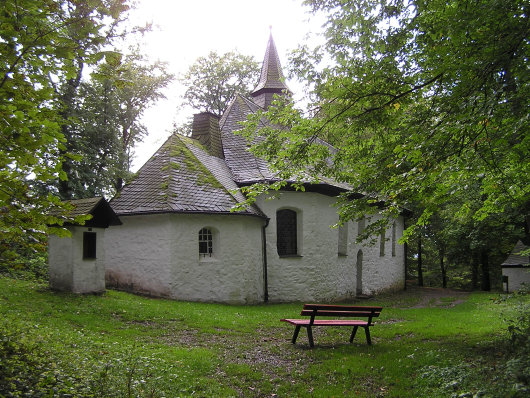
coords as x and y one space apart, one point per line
295 335
354 331
367 330
310 336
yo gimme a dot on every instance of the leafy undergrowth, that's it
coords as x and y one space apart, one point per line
121 345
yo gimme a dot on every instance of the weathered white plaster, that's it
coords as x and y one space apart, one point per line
69 271
516 277
320 273
159 255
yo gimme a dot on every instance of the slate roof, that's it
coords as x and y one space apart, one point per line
102 214
271 77
516 260
181 177
245 167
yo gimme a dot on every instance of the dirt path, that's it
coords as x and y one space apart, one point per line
437 296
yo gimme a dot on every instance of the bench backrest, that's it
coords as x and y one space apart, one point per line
339 311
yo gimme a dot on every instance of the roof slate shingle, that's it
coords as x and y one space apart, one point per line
181 177
271 77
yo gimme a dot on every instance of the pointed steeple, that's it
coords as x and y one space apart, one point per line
271 80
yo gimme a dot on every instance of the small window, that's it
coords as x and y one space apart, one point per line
382 244
343 240
205 242
360 226
286 235
394 239
89 245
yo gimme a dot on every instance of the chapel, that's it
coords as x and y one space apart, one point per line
179 237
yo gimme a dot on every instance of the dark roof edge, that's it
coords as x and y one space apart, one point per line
328 190
323 188
220 213
527 265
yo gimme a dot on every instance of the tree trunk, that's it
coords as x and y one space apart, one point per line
443 269
474 270
65 188
420 271
485 268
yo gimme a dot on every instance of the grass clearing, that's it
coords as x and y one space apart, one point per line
119 344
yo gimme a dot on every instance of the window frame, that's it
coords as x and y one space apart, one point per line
206 238
287 233
89 245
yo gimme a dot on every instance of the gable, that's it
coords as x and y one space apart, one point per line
102 214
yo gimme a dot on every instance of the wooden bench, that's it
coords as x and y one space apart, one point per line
337 311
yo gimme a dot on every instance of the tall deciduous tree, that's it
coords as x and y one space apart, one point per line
37 50
212 81
105 122
422 99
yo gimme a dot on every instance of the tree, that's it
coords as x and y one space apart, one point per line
421 99
38 50
212 81
105 123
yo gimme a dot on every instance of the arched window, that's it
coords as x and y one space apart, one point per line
205 242
286 234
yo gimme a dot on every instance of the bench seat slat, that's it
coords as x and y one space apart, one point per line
335 307
326 322
340 313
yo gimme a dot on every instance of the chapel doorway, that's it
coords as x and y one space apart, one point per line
359 286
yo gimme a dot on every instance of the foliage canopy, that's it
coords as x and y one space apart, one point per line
423 100
41 44
212 81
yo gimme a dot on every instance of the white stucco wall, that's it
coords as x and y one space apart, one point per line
159 255
138 255
320 273
68 270
516 277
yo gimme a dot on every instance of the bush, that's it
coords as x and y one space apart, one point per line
518 367
30 266
24 370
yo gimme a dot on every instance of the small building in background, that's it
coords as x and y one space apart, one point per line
516 269
77 263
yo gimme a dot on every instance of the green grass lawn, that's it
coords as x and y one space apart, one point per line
122 345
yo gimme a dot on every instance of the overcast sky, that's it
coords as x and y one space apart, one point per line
187 29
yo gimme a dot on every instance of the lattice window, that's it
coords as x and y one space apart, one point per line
205 242
286 234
